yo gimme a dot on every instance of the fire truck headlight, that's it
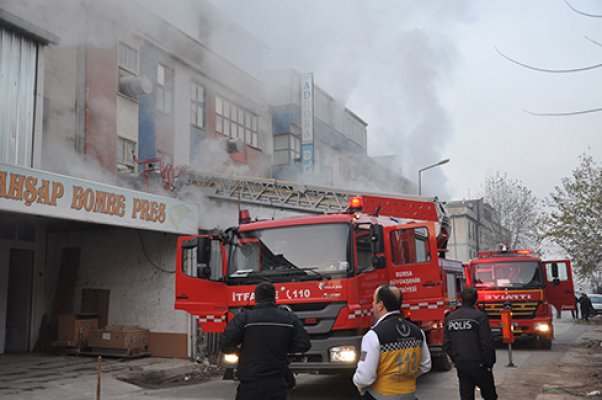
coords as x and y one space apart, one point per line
542 327
343 354
230 358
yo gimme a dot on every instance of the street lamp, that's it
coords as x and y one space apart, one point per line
424 169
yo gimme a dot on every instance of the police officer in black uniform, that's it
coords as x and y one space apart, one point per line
469 343
265 334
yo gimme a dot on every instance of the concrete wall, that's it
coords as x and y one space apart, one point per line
460 246
113 258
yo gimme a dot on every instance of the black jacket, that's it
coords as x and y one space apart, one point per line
266 334
586 304
468 337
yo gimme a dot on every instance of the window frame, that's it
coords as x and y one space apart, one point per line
165 89
128 49
122 159
241 123
195 103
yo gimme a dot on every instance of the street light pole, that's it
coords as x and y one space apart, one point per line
424 169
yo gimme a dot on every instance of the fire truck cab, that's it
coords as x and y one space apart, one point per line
530 286
325 269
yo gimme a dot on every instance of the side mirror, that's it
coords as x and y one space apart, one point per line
377 238
379 262
203 253
555 271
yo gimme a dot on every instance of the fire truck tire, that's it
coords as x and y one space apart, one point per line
442 363
229 374
544 343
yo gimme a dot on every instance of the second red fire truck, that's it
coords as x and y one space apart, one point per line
325 269
522 281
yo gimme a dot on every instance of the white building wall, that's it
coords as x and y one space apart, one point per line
182 116
113 258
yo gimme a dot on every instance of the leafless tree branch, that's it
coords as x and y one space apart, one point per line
547 70
581 12
563 114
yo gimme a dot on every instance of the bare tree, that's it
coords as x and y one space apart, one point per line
519 210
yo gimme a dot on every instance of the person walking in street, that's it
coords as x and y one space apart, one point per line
469 343
575 312
263 337
394 352
586 306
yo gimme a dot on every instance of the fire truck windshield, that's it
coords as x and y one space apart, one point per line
302 251
526 274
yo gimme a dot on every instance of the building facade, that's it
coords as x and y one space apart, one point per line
475 227
103 106
96 104
320 141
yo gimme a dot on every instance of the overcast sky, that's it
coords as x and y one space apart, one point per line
427 79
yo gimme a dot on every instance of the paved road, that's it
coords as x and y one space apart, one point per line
33 377
433 386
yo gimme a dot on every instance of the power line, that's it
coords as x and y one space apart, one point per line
557 71
563 114
148 258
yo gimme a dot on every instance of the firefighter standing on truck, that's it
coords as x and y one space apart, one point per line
469 343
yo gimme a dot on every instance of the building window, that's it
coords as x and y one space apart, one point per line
287 148
128 58
295 148
128 66
236 122
165 85
126 149
198 105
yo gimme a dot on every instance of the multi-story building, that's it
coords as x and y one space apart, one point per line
475 227
90 96
97 103
319 140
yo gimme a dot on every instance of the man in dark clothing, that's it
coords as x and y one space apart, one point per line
575 312
265 334
586 306
469 343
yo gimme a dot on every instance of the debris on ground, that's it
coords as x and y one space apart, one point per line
155 379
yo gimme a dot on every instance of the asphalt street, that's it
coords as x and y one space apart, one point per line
432 386
56 378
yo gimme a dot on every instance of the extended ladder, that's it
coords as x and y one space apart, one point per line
274 193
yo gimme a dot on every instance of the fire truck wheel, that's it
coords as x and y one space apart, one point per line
544 343
442 363
229 374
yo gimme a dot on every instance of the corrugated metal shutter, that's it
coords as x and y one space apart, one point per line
18 60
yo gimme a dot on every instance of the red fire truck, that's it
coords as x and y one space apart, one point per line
520 279
325 269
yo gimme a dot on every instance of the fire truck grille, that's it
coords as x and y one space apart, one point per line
522 310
